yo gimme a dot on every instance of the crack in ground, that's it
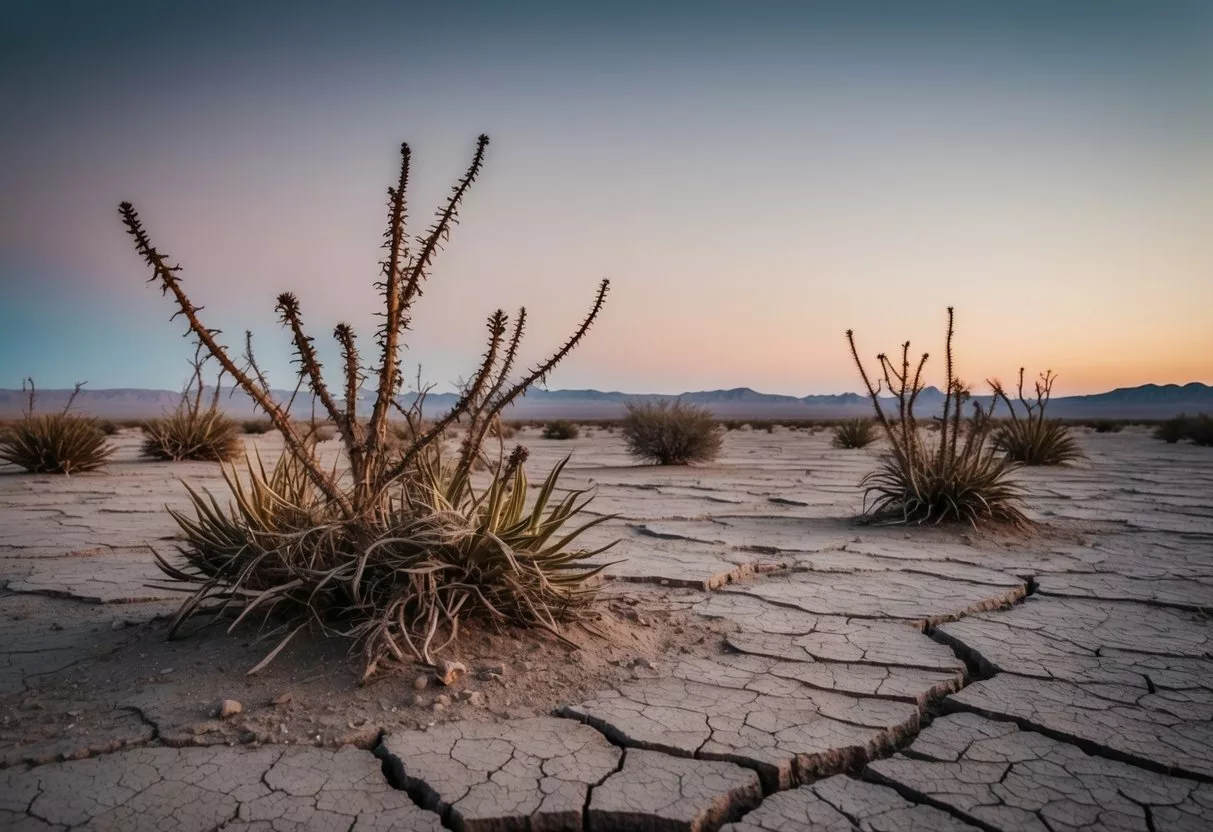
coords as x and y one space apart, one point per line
423 797
589 792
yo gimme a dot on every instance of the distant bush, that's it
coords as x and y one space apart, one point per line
1200 430
855 433
107 427
1031 438
194 430
256 427
56 443
1107 426
671 433
1173 429
561 429
320 433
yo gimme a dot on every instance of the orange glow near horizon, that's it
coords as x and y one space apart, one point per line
753 183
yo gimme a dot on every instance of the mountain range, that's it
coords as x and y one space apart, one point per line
1148 401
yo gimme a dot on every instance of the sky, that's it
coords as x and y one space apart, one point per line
754 178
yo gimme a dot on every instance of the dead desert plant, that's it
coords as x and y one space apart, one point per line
954 475
1033 439
854 433
561 429
195 430
256 427
54 443
399 546
671 433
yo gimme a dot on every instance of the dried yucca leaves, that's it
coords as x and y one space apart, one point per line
436 552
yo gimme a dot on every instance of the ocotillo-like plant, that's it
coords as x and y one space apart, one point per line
399 546
956 475
1032 439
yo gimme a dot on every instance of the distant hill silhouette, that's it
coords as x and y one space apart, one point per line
1149 401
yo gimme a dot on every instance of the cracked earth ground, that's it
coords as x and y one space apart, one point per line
846 677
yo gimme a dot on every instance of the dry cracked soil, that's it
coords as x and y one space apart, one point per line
768 664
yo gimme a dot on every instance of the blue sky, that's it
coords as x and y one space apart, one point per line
754 178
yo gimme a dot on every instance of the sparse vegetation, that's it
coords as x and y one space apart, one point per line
194 430
397 548
256 427
955 475
671 433
855 433
1107 426
1033 439
54 443
1198 429
561 429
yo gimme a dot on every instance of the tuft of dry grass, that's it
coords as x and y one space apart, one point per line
1033 439
955 475
401 541
54 443
671 433
854 433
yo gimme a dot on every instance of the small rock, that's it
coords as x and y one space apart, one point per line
449 672
442 699
117 624
166 671
496 668
527 665
421 682
283 698
475 698
437 706
228 708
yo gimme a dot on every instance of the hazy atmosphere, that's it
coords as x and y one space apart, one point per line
753 179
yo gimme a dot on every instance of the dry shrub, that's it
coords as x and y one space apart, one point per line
561 429
957 475
671 433
854 433
1199 429
1107 426
194 430
1032 439
398 546
256 427
54 443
